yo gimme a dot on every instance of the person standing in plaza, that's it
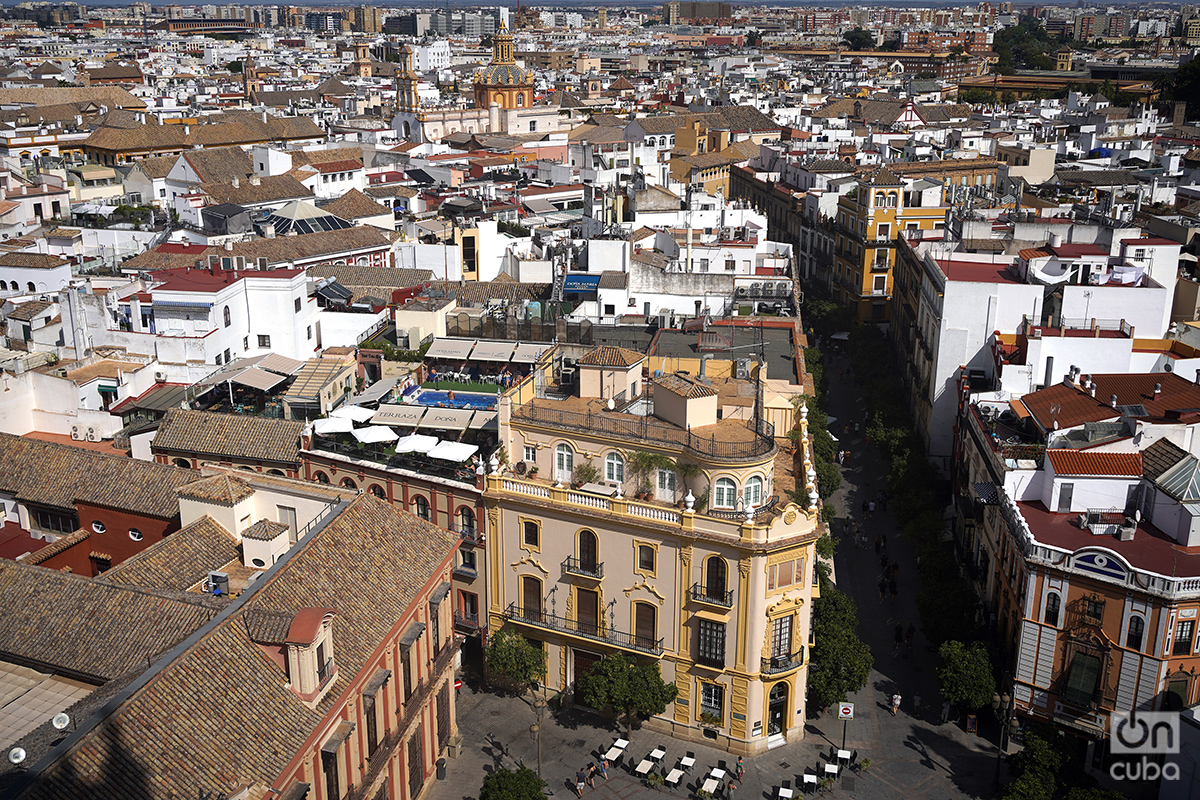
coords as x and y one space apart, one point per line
580 782
729 790
604 768
591 776
895 706
740 769
945 711
899 639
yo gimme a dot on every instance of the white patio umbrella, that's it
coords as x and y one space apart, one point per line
324 427
416 443
373 434
356 413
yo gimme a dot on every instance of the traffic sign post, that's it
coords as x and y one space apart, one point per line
845 714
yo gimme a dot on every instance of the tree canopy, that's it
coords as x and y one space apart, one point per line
859 39
508 784
628 687
510 654
1026 45
841 662
964 674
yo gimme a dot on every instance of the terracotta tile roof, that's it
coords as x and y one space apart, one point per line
111 96
336 166
85 628
31 260
156 166
267 627
305 157
63 544
268 189
1160 457
223 489
357 277
264 530
27 311
1178 400
279 250
234 436
611 356
1091 462
180 560
392 190
226 675
355 205
219 163
474 293
56 475
684 387
222 130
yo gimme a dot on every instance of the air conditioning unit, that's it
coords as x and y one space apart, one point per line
93 435
217 584
76 433
783 289
160 377
742 366
741 291
756 289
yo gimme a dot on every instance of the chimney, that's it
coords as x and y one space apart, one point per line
1112 400
255 180
24 189
229 246
264 117
234 182
187 130
1092 391
1157 390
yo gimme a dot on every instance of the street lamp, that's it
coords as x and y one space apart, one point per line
1003 708
535 730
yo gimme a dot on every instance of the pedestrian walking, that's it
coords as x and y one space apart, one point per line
883 565
882 589
899 639
945 711
895 705
895 568
604 768
591 775
841 456
893 590
580 778
729 790
909 634
878 545
871 508
885 541
741 770
883 498
917 704
864 507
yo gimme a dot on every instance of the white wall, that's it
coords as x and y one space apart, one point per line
342 328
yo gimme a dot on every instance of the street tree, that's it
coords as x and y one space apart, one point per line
859 39
841 662
509 784
620 682
510 654
964 674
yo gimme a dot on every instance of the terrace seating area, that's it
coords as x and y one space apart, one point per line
480 362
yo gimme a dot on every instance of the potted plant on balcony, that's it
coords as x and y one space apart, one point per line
533 471
710 720
584 472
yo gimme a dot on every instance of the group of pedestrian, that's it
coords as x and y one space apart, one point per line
586 777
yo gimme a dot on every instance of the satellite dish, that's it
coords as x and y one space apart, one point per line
61 721
16 755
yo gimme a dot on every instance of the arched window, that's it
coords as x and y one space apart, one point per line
321 477
614 468
349 484
714 578
724 493
1133 640
564 462
421 507
588 551
1053 602
752 492
29 286
183 462
228 320
378 491
466 521
278 472
520 99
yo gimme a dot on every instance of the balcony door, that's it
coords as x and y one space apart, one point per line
588 552
714 578
588 613
531 598
781 640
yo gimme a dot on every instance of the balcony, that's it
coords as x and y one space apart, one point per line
466 620
588 569
585 630
466 571
468 534
783 663
714 596
325 673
